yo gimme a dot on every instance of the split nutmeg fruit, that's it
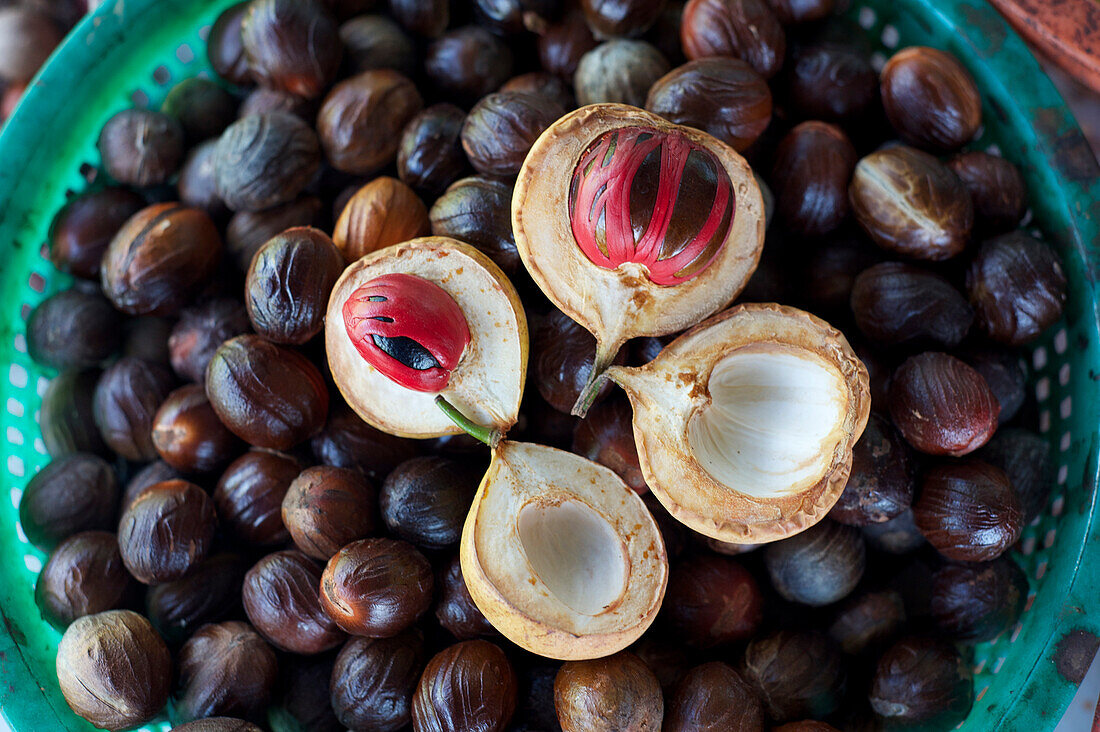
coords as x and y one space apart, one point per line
633 226
427 338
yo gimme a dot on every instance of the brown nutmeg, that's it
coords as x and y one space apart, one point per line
744 29
712 600
922 680
880 485
471 685
930 98
941 405
325 508
166 532
813 165
502 127
383 212
797 674
714 698
282 600
188 435
996 187
361 119
292 45
969 511
618 693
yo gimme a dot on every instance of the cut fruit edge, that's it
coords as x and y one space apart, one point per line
672 401
560 555
487 385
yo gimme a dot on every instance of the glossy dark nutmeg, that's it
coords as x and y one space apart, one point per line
868 621
249 230
282 600
1025 457
81 231
288 284
225 47
153 473
712 601
325 508
543 84
1004 371
349 442
84 576
66 416
373 680
818 566
810 175
470 685
160 259
292 45
618 693
377 42
199 331
146 337
620 71
126 400
225 669
977 602
563 359
744 29
722 96
969 511
265 160
141 147
428 18
249 496
712 698
1017 287
198 181
188 435
562 44
880 485
209 594
911 203
303 697
896 303
930 98
619 18
456 610
263 100
113 669
465 64
376 587
361 120
942 406
166 532
796 674
202 106
996 188
425 500
502 127
78 492
477 210
267 395
606 435
922 680
430 156
73 329
831 81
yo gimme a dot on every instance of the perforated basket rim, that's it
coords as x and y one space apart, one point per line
1035 684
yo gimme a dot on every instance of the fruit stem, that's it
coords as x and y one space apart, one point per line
488 435
596 378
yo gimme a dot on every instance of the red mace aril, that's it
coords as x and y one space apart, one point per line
633 226
638 179
409 329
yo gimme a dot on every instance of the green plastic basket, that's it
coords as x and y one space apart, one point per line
131 51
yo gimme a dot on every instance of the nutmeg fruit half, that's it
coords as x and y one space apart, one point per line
745 424
431 317
634 226
560 555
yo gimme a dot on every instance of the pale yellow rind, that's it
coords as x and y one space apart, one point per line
509 590
616 305
667 392
487 385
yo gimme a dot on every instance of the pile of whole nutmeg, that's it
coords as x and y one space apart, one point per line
305 293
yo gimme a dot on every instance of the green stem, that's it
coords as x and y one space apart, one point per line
595 381
488 435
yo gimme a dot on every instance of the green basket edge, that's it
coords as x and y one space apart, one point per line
1056 135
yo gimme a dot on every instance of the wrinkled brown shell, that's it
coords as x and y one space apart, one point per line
469 686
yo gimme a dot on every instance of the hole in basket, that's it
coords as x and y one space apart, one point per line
1039 357
878 60
1042 389
15 437
866 18
1061 340
20 343
1065 409
17 376
89 172
140 99
25 311
34 564
37 282
1063 474
1063 374
204 32
185 54
15 466
161 75
1044 421
890 37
